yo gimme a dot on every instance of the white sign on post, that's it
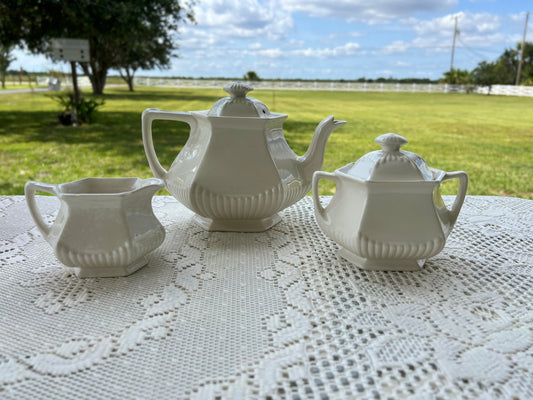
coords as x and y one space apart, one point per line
71 50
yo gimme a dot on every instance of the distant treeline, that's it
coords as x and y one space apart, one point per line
12 73
359 80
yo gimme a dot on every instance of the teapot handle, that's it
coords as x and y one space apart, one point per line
459 199
29 192
148 116
321 211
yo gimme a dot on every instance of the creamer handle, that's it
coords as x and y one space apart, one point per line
29 191
316 198
460 198
148 116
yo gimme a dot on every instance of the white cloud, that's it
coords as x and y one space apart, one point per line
269 53
436 35
223 19
398 46
467 23
365 11
347 49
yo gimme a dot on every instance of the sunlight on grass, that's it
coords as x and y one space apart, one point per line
489 137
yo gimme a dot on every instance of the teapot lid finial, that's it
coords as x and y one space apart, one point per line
238 89
238 104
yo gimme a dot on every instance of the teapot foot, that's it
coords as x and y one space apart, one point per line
382 264
237 225
109 272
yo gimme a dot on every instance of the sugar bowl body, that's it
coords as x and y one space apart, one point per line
236 170
104 227
387 212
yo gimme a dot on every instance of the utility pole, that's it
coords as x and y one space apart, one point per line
455 32
522 53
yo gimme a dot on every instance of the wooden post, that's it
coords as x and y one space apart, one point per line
76 97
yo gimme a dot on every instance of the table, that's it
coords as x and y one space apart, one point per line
271 315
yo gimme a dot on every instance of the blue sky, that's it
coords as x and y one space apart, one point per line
342 39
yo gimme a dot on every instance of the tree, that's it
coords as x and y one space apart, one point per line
113 29
5 60
486 74
457 77
251 76
504 69
144 54
507 67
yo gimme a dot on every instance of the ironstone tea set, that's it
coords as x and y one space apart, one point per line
236 172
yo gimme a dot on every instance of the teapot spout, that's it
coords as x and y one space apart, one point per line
313 159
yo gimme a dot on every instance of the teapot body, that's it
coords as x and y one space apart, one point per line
104 226
235 173
387 225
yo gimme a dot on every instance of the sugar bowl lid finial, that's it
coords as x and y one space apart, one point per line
390 164
390 142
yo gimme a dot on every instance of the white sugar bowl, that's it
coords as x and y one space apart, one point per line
387 212
105 227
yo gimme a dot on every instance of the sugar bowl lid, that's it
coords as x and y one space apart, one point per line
390 163
238 104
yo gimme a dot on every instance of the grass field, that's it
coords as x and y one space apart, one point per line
489 137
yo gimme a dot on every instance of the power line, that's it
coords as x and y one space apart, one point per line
475 52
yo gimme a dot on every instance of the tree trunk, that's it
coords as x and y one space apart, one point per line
128 77
97 75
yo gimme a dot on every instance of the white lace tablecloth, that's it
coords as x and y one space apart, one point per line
271 315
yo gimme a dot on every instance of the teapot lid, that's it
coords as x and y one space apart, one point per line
238 104
390 163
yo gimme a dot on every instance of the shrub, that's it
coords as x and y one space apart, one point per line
84 109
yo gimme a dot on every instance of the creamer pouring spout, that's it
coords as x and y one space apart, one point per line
236 171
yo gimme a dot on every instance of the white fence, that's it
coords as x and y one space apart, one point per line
508 90
505 90
304 85
339 86
83 81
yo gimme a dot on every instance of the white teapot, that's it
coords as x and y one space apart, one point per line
387 212
236 170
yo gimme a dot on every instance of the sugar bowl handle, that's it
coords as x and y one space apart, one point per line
148 116
460 198
29 192
321 211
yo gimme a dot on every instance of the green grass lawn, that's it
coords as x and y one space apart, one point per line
489 137
15 86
